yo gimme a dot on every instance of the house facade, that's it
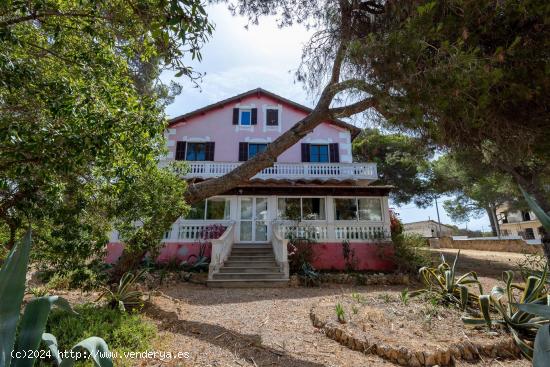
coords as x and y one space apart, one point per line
314 190
428 229
519 223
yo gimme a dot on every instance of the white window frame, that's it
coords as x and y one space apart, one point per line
357 219
241 110
239 127
278 127
227 198
302 207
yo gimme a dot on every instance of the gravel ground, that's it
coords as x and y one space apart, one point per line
258 327
271 327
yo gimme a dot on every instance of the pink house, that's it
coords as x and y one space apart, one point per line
314 190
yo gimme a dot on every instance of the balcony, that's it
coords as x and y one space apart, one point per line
288 171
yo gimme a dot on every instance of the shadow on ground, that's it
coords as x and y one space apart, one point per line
218 296
242 346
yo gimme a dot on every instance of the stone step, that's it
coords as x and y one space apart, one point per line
251 257
248 263
252 245
251 253
247 276
249 283
251 269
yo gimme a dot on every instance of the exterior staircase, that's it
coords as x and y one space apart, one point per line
249 265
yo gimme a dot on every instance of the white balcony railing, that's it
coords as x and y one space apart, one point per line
337 231
283 171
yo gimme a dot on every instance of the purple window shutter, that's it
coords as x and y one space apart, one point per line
254 116
209 151
243 152
180 151
305 152
334 152
235 116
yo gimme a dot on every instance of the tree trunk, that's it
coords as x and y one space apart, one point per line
490 214
126 262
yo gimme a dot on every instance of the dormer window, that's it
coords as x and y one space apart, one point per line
244 116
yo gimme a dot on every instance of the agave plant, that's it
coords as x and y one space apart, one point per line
124 296
443 282
24 333
541 353
513 312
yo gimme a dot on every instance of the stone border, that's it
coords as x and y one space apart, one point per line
359 341
357 279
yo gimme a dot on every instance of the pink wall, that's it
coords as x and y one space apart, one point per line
369 256
328 256
216 125
179 251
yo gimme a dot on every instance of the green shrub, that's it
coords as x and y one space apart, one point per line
409 255
122 331
300 252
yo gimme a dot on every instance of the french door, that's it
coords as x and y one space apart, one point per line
254 226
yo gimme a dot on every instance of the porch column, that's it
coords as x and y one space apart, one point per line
386 215
234 216
331 230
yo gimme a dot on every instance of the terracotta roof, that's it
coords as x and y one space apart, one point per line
259 91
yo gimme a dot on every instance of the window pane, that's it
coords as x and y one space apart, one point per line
196 152
254 149
345 209
196 211
246 208
370 209
272 117
217 208
261 208
246 231
313 208
318 153
245 117
289 208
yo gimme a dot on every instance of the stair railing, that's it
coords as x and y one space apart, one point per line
280 249
221 248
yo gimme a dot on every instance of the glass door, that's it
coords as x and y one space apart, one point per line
254 225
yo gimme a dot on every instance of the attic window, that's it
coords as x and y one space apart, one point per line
245 117
272 117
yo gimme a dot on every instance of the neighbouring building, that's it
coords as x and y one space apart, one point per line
428 229
314 190
522 223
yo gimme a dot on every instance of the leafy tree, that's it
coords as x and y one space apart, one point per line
82 116
401 160
477 188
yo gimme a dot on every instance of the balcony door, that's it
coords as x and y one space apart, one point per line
253 221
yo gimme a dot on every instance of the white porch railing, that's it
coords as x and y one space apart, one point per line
323 171
191 231
221 249
322 231
280 250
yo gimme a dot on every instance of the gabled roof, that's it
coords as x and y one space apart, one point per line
259 91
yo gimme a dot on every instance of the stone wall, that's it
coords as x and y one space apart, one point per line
518 246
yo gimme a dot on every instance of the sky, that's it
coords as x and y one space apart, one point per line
237 59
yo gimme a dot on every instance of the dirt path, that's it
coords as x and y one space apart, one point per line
258 327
